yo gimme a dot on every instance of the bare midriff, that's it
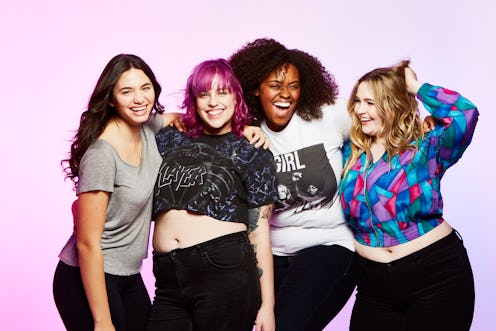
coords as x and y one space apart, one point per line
180 229
389 254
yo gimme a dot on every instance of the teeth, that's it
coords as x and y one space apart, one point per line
282 104
138 109
215 111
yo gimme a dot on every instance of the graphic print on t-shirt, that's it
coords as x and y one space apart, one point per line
306 179
195 175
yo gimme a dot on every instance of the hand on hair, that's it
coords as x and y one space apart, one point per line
412 84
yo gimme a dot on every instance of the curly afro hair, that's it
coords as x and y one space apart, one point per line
256 60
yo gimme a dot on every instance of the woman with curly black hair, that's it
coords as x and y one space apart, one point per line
312 245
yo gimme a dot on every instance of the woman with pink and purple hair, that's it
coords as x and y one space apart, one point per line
212 203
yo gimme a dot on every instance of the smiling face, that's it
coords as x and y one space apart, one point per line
133 97
279 94
366 111
216 108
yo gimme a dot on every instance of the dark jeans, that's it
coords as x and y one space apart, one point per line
311 287
210 286
127 295
432 289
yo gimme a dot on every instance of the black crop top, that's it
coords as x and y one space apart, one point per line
220 176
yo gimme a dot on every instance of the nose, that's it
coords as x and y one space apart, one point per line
358 108
284 93
212 100
138 98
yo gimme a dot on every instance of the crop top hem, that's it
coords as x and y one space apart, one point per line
408 235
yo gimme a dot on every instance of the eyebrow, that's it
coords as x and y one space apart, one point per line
279 81
130 88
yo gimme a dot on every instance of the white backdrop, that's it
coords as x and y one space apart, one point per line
52 53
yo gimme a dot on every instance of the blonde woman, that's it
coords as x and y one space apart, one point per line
411 267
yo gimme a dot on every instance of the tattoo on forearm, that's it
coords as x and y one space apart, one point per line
253 215
259 270
266 212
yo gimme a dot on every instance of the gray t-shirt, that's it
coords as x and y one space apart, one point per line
127 227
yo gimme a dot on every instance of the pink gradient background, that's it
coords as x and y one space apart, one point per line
53 51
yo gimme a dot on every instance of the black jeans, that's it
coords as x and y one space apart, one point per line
312 287
127 295
432 289
210 286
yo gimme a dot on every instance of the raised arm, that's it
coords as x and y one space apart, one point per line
456 115
258 233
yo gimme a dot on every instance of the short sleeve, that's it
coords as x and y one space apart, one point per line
337 119
155 122
343 118
97 169
169 138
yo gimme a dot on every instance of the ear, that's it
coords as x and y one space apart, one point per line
111 102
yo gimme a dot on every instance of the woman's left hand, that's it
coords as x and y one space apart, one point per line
255 136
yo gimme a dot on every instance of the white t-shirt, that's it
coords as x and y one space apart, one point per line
309 164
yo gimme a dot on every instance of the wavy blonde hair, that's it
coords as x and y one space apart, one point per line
397 108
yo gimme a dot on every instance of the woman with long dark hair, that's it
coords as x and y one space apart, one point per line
113 163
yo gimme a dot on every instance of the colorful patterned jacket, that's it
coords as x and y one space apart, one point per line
387 204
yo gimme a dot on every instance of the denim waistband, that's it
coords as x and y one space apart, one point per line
452 238
236 236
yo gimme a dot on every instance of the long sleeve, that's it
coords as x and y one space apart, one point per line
458 117
398 199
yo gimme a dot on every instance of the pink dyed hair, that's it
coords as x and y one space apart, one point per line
201 80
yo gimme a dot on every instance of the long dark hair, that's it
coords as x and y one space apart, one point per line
99 111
